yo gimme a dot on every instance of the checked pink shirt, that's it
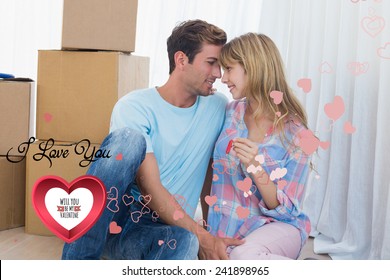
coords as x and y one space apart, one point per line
237 213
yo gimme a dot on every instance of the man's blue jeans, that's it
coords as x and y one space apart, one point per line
143 234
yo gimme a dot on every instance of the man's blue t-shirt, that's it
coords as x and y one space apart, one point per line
182 139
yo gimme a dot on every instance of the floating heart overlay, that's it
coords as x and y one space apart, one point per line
47 117
335 109
245 185
384 52
326 68
358 68
373 25
114 228
242 212
211 200
305 84
47 194
349 128
277 96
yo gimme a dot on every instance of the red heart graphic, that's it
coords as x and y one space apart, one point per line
114 228
242 212
305 84
211 200
308 142
245 185
335 109
88 183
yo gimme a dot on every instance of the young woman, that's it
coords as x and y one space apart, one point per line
259 168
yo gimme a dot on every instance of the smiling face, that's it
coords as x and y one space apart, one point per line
203 71
235 78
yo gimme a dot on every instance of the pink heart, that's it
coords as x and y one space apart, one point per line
178 215
277 96
242 212
92 184
324 144
160 242
47 117
215 177
119 156
112 205
210 200
245 185
114 228
127 199
357 68
172 244
216 208
373 25
135 216
308 142
230 131
335 109
305 84
384 52
325 67
204 225
112 193
278 173
348 128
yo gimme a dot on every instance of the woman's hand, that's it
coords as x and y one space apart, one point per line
246 151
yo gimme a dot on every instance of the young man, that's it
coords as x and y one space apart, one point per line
162 140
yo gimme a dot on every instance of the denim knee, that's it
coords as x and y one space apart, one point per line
128 138
188 242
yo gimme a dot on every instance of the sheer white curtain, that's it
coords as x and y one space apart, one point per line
25 27
341 47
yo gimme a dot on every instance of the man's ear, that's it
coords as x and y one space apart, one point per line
181 59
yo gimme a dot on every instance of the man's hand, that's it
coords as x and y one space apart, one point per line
214 248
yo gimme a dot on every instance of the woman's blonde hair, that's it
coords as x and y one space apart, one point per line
264 68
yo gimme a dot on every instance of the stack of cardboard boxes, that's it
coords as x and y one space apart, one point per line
78 86
17 125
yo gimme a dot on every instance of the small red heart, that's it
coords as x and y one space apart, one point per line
178 215
277 96
242 212
349 128
305 84
114 228
210 200
47 117
308 142
245 185
335 109
57 184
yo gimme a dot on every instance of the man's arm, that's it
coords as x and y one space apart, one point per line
148 179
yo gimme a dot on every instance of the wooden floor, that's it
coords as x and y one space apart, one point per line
15 244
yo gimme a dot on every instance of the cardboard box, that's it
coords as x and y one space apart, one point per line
17 114
99 25
78 90
68 168
12 192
